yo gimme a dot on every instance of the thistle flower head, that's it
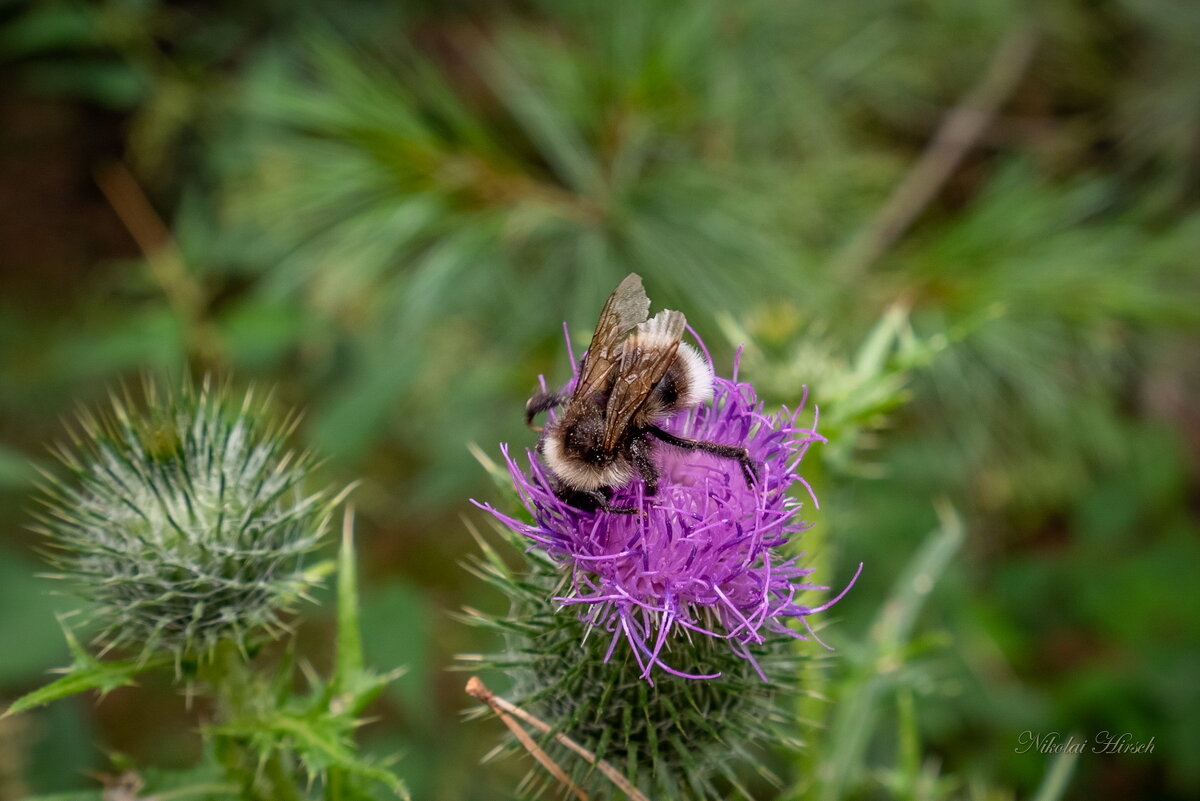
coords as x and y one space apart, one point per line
184 523
705 558
676 738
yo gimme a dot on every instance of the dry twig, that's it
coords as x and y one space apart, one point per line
959 131
504 710
153 238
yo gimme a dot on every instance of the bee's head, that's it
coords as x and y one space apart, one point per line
574 450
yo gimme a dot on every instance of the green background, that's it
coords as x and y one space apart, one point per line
387 210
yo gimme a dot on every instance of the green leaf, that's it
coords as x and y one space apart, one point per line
85 673
111 83
558 138
895 624
1058 777
319 738
855 719
135 339
348 659
872 356
261 333
352 684
49 27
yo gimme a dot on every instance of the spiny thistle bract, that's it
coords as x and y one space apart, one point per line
661 639
184 523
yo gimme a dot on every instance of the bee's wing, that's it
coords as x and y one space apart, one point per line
625 308
645 357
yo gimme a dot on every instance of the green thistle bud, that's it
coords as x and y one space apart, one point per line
184 523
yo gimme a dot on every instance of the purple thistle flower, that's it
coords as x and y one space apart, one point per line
705 556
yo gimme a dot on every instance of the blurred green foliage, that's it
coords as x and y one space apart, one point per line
387 210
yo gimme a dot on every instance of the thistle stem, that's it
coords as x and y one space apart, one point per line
237 694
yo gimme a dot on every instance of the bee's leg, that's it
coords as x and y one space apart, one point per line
541 402
639 451
602 502
589 500
749 468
